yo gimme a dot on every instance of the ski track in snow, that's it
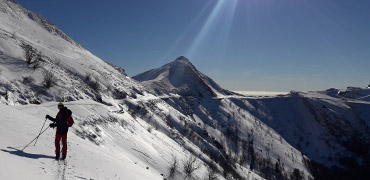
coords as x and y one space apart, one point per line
61 170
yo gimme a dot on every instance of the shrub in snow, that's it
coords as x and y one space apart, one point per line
29 53
49 79
297 175
190 164
32 56
211 173
117 94
172 169
93 84
14 36
28 80
57 62
150 128
37 61
155 124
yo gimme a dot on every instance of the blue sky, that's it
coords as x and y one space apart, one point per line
256 45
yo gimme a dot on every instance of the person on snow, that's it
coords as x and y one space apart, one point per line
62 121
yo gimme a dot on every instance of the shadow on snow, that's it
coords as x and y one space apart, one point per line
27 155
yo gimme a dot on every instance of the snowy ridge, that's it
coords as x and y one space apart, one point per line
300 131
355 93
350 93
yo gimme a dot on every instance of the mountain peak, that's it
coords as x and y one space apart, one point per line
182 58
181 77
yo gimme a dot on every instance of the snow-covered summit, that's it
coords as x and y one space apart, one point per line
182 58
181 77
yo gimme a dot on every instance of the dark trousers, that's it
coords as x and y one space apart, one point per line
57 143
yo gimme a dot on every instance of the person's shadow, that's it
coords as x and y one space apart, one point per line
27 155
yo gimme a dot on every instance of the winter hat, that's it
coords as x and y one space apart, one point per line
60 104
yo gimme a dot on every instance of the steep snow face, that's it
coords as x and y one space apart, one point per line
181 77
324 128
76 73
329 127
224 120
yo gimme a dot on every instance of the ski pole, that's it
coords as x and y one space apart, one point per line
35 138
40 131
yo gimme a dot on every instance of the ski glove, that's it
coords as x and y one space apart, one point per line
52 125
48 117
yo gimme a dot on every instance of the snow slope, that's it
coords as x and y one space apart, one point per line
103 144
20 124
120 137
68 61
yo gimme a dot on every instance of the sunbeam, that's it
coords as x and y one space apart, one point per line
219 21
185 33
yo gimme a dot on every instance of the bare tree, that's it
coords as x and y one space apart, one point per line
190 164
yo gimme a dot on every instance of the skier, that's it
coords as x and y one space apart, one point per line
62 121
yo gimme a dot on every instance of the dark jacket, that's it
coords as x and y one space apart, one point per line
61 120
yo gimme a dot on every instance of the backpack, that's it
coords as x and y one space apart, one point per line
70 121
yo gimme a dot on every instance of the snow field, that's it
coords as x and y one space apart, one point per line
124 152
